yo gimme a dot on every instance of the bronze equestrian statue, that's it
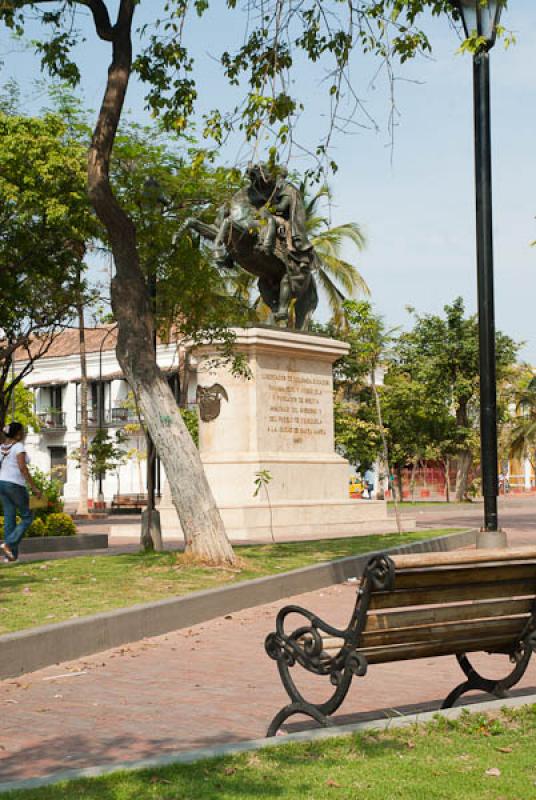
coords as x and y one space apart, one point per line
263 230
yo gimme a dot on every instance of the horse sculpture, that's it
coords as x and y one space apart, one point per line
262 229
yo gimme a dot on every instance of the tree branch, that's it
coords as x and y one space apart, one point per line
101 16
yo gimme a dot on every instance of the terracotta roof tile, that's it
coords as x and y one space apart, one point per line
67 342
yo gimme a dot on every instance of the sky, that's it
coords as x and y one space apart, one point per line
412 192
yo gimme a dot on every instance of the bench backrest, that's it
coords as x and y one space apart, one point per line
129 498
448 603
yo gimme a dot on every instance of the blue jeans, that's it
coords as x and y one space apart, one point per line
15 498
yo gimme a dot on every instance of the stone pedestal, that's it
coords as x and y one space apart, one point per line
280 422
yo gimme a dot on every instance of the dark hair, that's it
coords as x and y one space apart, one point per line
13 429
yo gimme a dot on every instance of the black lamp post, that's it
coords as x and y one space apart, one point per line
482 18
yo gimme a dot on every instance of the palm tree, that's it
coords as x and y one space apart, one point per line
337 278
522 434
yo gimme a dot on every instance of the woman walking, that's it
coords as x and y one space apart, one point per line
14 475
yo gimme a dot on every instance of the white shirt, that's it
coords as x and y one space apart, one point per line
9 469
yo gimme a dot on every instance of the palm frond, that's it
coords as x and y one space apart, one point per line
345 273
334 295
310 204
316 225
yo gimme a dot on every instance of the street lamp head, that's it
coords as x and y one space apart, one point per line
481 17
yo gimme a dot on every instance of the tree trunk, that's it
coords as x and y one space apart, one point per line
464 461
412 480
385 448
203 528
399 482
464 457
82 510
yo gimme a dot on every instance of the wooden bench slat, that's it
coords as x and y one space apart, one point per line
408 560
407 652
478 630
480 591
465 573
449 613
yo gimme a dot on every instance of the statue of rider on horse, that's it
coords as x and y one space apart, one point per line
263 230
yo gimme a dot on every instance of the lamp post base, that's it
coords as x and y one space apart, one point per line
151 529
487 540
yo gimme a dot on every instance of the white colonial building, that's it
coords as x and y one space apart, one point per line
55 382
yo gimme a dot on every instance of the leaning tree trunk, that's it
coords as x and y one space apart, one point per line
201 523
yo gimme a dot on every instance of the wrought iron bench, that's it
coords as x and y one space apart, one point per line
416 606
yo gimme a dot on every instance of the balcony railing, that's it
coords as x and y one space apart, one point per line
52 421
111 417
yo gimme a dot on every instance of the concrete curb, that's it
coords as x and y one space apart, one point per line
219 751
64 544
33 649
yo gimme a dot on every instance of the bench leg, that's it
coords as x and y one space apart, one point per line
300 705
475 681
307 709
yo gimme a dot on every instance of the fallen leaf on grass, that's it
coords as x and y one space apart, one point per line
504 749
333 784
229 770
493 772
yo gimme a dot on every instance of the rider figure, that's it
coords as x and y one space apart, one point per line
290 209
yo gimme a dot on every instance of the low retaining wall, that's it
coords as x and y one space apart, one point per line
29 650
64 544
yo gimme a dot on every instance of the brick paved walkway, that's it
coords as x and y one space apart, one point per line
194 688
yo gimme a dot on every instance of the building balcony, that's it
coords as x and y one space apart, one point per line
111 417
52 421
121 416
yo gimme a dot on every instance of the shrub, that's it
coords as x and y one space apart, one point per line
17 519
51 489
60 525
37 528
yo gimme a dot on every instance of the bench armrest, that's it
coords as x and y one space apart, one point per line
305 644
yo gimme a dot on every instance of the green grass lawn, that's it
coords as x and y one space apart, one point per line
478 757
44 592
